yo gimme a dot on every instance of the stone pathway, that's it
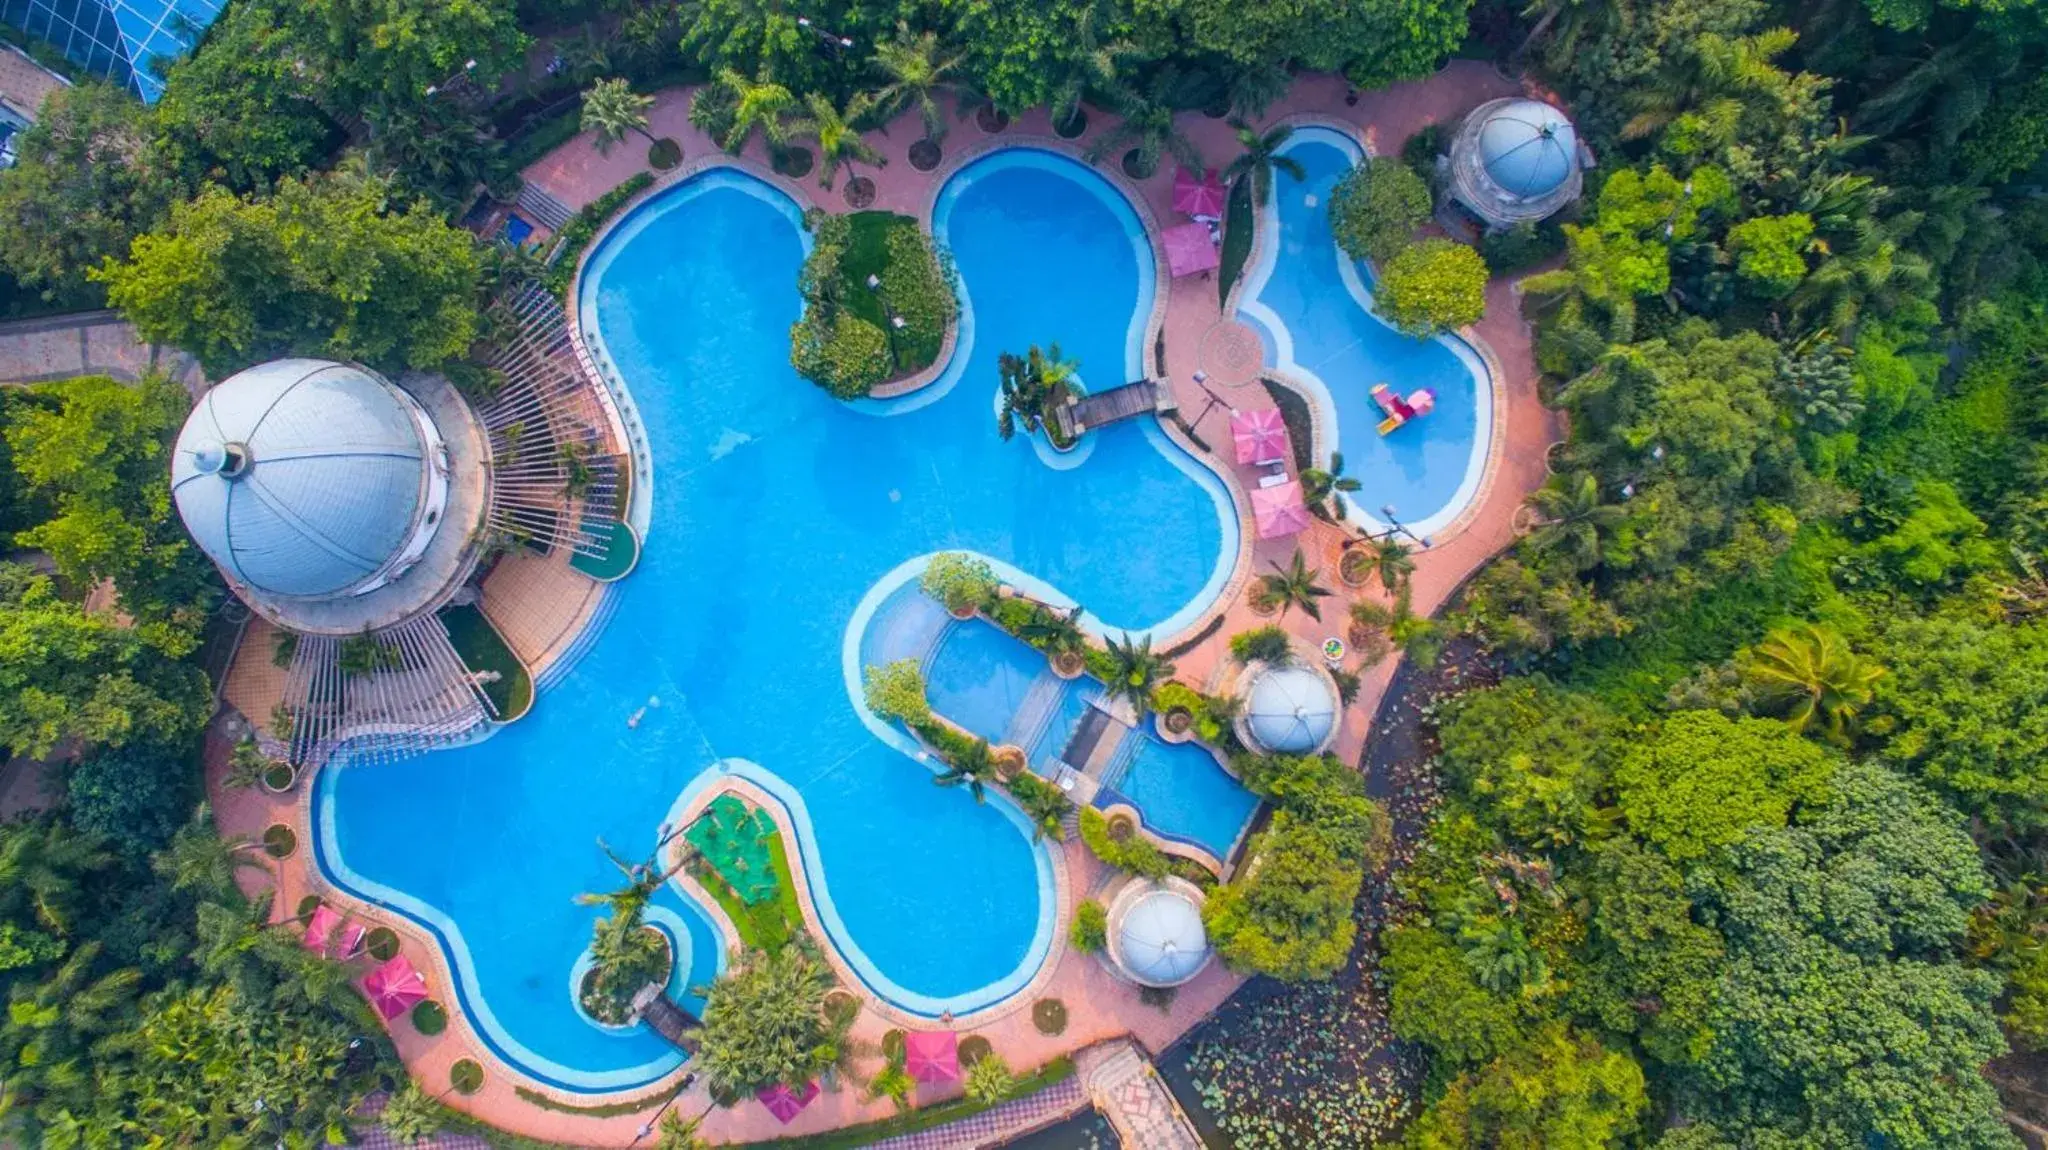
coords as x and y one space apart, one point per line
88 343
1126 1088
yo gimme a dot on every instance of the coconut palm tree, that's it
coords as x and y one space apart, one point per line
1089 65
1319 485
1148 128
1138 669
642 880
1389 558
613 110
196 860
1420 638
1813 675
973 766
1044 804
1032 387
410 1116
1294 586
918 68
762 106
1260 157
838 141
1574 519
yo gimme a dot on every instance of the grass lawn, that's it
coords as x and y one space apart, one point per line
769 924
1238 222
867 254
483 650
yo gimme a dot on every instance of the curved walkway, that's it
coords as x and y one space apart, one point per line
1099 1006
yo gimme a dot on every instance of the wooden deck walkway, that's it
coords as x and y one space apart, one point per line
1104 408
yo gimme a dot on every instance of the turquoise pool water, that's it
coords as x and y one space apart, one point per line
998 687
1315 307
781 523
1182 792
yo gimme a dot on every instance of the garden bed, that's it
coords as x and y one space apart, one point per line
483 650
925 1118
1300 421
614 1007
769 924
918 343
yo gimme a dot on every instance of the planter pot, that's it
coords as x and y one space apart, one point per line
1261 606
925 154
860 193
796 163
1009 762
1134 166
278 779
1354 572
664 154
962 614
1068 665
1073 126
1175 726
989 119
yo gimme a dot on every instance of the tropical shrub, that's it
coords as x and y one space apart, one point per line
839 351
1268 644
962 582
990 1080
1133 852
1090 931
1431 286
1375 209
896 691
134 797
765 1024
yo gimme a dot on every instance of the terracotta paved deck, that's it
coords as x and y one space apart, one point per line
1099 1006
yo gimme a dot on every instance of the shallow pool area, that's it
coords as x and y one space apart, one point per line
783 524
1314 306
1182 792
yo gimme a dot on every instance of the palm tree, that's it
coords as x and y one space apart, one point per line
1294 586
1389 558
894 1083
918 71
197 860
1574 519
1044 804
974 766
410 1116
838 141
1260 157
643 879
1814 676
1501 958
1032 387
1420 638
1148 128
612 110
762 106
1089 65
1138 669
1319 485
680 1133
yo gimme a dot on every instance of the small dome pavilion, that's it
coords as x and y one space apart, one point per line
1156 936
1290 710
322 489
1516 160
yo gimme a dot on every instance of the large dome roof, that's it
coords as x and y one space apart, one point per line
1160 940
1528 148
304 478
1290 710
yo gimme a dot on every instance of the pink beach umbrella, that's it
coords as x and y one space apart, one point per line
1197 197
320 928
1278 511
1259 436
395 987
785 1103
932 1055
1188 249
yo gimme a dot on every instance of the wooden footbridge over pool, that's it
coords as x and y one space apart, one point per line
1101 409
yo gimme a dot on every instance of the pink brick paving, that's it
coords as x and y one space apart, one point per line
1099 1006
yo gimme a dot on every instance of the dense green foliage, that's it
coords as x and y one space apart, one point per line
849 339
765 1022
1432 285
1375 209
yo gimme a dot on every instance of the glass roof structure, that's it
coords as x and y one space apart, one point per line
120 40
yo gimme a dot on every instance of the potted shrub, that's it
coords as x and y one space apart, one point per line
279 776
1009 761
466 1076
1178 706
925 154
960 581
1356 567
279 841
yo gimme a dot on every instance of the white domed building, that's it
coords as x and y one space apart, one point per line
321 490
1156 937
1515 161
1289 710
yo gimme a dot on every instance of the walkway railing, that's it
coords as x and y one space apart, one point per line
392 693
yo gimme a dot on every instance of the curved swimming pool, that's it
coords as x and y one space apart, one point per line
1314 305
780 519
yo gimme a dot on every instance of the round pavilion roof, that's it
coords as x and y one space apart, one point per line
1290 709
1528 148
1160 940
303 478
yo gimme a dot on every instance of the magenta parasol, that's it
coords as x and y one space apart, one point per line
1259 436
1279 511
1197 197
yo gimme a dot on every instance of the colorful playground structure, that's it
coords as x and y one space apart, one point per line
1400 411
